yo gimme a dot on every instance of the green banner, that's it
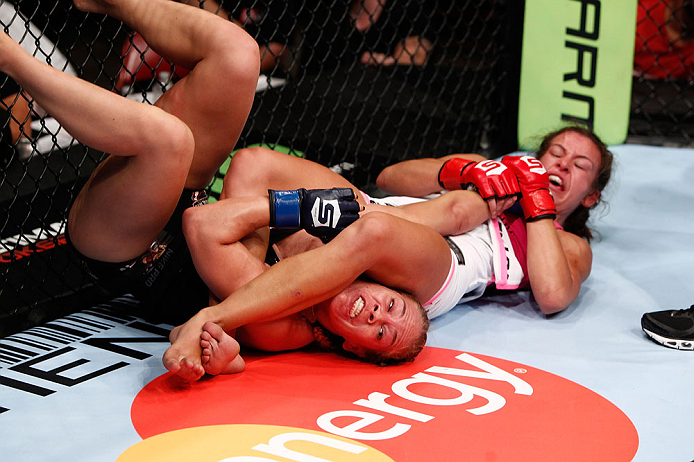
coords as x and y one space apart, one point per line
576 67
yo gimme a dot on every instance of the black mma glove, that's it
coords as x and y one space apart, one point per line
321 212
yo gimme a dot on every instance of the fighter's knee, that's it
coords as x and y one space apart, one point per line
194 224
248 170
182 142
240 55
248 158
167 138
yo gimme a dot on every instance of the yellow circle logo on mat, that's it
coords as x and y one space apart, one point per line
250 443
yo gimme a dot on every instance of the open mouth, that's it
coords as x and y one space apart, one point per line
356 308
555 181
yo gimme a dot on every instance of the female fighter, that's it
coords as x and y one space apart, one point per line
395 250
125 224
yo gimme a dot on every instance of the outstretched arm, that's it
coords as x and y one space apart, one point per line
450 214
417 177
495 182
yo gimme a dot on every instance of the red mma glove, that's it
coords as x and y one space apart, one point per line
491 178
536 200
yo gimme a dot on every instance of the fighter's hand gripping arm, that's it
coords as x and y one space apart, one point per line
417 177
420 177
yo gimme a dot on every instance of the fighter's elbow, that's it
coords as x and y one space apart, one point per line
548 309
552 301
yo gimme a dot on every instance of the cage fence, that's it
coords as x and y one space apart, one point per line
352 84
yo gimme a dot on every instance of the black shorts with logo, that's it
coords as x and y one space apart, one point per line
163 278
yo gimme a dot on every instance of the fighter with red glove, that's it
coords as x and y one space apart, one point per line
321 212
491 179
536 200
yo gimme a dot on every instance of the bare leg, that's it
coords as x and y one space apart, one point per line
20 123
222 262
213 233
113 124
253 170
129 199
220 351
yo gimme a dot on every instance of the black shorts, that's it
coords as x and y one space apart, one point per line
163 279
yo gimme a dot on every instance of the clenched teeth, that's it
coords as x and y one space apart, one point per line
356 308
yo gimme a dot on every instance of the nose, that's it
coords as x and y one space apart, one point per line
563 163
374 314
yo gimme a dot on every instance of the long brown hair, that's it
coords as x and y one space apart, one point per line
577 222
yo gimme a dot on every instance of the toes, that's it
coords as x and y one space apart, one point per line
190 371
213 329
172 365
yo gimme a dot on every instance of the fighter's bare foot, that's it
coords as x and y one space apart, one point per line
177 362
220 351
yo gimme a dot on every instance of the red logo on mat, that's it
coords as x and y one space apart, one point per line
446 405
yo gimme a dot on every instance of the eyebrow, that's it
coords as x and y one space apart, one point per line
582 156
395 332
